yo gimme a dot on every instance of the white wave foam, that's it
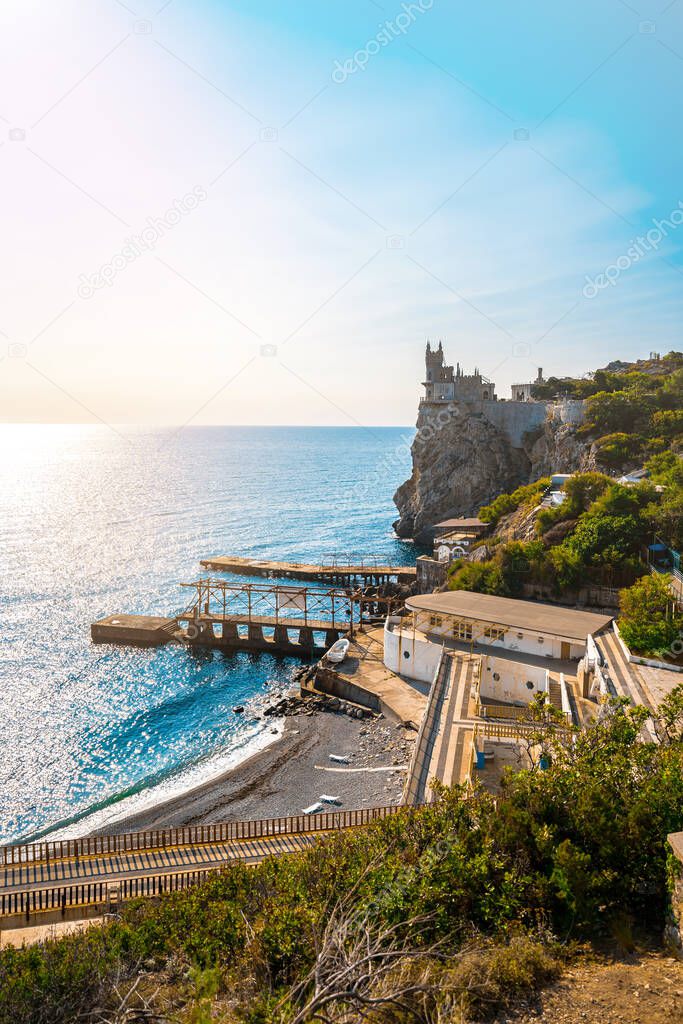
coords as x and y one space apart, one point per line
185 781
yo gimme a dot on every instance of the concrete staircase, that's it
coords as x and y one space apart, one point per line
554 692
624 678
443 749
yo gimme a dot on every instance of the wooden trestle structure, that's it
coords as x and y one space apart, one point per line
252 616
255 616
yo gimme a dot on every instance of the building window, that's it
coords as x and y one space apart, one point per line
435 620
462 630
494 633
541 640
406 654
529 685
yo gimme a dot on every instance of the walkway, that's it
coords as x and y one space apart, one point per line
444 745
364 678
90 872
332 570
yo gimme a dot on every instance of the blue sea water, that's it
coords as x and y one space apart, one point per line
94 522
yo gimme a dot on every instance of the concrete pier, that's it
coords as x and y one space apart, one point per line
365 574
247 616
289 636
135 630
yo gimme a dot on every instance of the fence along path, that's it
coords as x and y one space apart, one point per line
194 835
87 894
166 860
87 871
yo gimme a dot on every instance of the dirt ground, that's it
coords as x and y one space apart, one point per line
645 989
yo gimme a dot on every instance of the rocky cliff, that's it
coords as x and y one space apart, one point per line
461 461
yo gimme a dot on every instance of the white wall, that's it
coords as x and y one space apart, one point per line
514 640
511 685
408 654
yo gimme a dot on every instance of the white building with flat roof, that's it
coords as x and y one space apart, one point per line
524 640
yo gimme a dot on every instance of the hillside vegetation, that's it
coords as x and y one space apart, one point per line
596 536
446 913
633 410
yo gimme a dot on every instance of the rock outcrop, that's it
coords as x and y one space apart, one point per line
461 461
559 448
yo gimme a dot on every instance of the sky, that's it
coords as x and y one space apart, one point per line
257 212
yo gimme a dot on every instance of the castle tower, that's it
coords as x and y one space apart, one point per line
433 362
444 383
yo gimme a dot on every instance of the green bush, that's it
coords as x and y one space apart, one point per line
649 622
614 450
529 494
567 849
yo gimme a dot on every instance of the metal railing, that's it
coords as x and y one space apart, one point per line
516 731
191 835
506 712
516 713
106 894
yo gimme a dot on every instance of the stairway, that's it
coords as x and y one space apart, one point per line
555 693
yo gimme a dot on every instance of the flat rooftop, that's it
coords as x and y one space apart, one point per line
505 611
461 524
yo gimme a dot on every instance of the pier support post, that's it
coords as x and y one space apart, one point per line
281 637
199 632
230 634
306 638
331 637
255 634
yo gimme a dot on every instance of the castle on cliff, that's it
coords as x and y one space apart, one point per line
446 384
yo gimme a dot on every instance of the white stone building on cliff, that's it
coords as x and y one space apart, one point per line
514 417
446 384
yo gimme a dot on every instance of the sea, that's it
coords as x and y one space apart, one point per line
96 520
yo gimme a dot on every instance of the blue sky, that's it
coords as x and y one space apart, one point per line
468 178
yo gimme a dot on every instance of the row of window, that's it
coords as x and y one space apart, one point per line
463 630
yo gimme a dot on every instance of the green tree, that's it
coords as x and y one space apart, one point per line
613 450
669 720
668 423
648 621
666 517
527 495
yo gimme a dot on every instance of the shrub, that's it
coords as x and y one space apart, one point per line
529 494
563 849
614 450
648 621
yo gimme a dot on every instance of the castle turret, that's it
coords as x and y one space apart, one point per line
433 363
444 384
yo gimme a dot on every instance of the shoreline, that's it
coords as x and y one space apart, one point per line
291 773
106 820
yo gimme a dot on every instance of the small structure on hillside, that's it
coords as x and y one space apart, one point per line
454 537
523 392
471 526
